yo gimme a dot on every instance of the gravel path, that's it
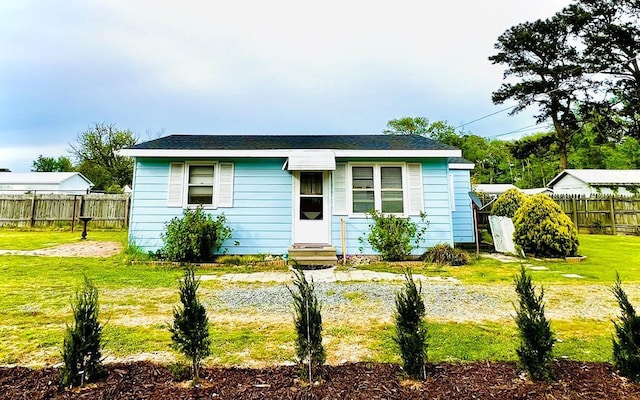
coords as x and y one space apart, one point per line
445 301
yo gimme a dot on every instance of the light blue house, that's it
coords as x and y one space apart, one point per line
286 194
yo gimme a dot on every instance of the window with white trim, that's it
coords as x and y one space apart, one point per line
378 186
209 184
200 184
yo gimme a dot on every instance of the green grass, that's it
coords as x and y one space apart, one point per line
137 300
605 254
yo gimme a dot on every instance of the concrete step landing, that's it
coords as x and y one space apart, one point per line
312 254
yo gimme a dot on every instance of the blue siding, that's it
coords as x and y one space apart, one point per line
463 214
435 184
261 216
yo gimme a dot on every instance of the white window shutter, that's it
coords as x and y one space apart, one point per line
225 186
176 182
340 189
416 195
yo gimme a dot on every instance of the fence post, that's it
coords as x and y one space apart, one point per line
81 213
575 212
613 215
73 213
33 210
127 205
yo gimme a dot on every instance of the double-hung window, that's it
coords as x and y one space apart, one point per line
209 184
201 184
379 187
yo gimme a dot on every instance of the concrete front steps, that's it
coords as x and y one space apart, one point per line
312 254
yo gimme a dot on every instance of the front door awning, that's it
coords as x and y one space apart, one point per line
311 161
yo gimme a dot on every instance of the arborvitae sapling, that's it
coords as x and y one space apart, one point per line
308 325
536 338
626 342
82 347
190 328
411 329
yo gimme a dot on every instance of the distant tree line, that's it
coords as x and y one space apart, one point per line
531 161
95 157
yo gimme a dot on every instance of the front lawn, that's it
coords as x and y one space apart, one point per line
605 254
137 301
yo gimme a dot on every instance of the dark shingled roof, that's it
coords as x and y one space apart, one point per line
459 160
273 142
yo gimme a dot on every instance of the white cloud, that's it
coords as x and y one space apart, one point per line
249 66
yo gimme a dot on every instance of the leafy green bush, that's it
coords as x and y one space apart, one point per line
626 343
536 337
392 236
411 329
194 237
308 324
508 203
190 328
543 229
82 347
444 254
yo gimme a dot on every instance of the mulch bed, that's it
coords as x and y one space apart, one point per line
479 380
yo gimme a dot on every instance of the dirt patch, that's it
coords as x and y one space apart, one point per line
85 248
480 380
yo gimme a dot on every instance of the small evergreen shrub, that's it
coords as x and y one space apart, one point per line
190 328
626 343
444 254
395 237
411 329
308 325
194 237
508 203
536 338
541 228
82 346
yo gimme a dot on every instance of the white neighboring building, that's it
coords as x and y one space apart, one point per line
493 189
44 183
591 182
534 191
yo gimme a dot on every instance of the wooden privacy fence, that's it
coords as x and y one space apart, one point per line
602 214
34 210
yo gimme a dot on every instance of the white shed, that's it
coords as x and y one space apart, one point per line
44 182
493 189
589 182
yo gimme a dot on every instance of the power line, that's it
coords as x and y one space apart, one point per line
520 130
486 116
536 94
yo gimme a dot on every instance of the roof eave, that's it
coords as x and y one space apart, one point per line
266 153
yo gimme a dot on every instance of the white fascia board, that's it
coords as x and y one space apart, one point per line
174 153
461 166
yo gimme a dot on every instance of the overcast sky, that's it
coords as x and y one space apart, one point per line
253 67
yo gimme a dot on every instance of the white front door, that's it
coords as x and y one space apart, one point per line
311 216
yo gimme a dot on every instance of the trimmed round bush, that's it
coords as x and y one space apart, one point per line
508 203
543 229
